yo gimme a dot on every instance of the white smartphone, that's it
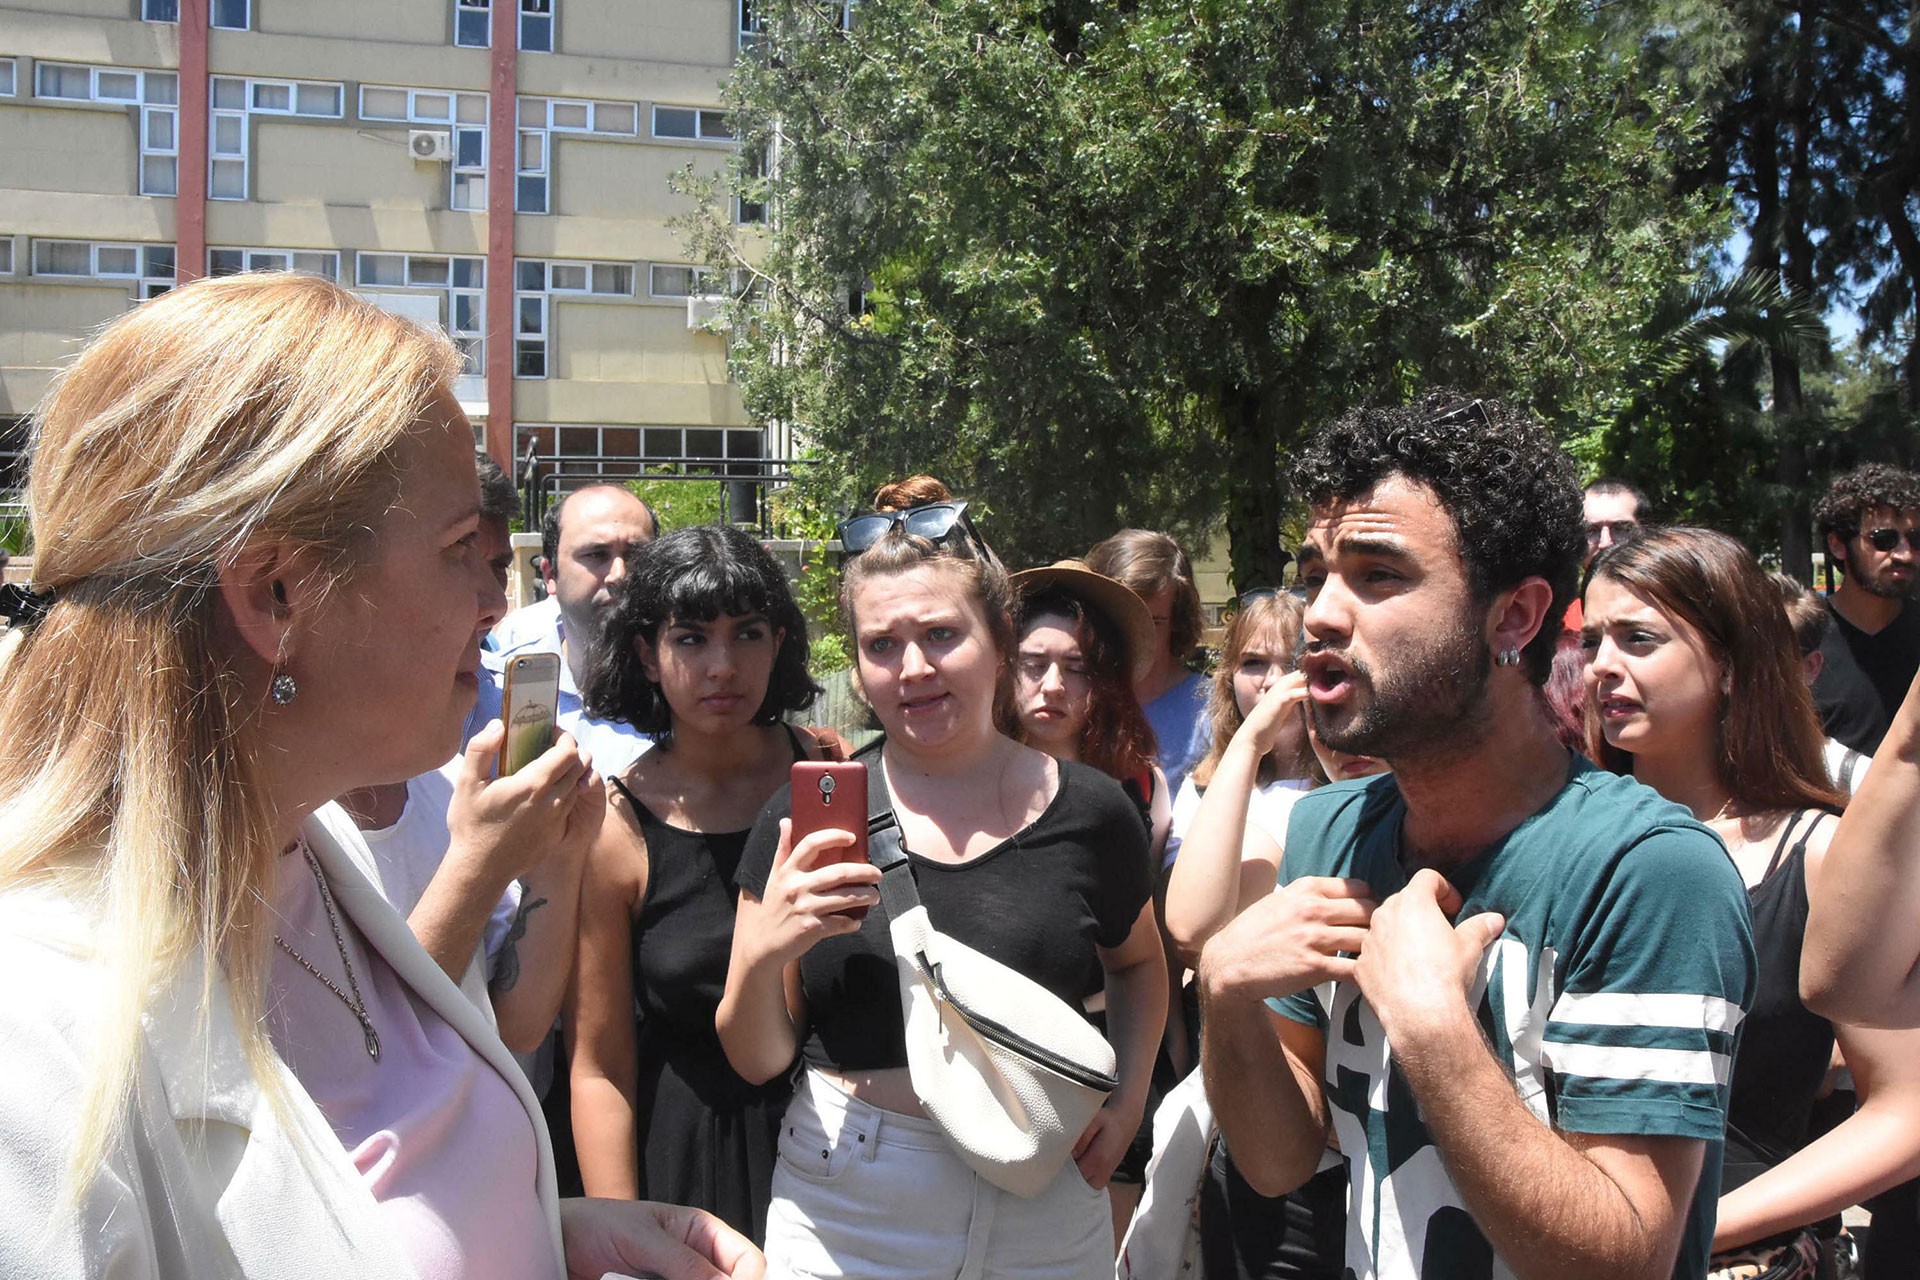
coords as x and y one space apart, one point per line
528 704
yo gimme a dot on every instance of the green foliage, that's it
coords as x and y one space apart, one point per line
679 503
810 512
1112 260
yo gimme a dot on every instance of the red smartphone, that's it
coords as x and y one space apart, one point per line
831 795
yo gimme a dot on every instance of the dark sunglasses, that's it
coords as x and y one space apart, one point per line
1888 539
1619 530
936 522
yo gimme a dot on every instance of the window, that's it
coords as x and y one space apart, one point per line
58 80
422 106
677 280
232 102
753 29
530 173
469 170
536 26
692 123
155 93
539 119
441 108
535 282
571 115
8 77
233 15
149 265
754 169
473 24
312 262
530 335
458 284
6 255
159 10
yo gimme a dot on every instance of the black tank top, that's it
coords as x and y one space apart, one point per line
1784 1046
682 940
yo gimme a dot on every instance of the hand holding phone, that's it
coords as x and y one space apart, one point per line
529 704
831 795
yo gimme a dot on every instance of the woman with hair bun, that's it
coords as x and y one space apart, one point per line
706 651
259 586
1040 863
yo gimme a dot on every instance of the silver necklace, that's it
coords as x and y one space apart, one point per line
354 1002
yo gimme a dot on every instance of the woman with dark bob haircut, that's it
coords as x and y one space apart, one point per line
706 650
1694 687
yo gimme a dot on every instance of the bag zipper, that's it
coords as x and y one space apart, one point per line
1007 1038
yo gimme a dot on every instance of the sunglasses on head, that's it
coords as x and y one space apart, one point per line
936 522
1888 539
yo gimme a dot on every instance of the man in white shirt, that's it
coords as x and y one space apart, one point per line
587 540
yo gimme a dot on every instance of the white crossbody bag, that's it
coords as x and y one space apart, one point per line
1009 1071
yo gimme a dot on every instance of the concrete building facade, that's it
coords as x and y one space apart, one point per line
500 168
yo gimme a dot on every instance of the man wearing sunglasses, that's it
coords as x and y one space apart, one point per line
1867 522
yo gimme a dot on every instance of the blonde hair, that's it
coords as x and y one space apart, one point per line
1280 612
259 407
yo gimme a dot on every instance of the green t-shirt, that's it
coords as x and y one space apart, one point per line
1613 998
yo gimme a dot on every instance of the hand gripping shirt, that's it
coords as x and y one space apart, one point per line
1613 998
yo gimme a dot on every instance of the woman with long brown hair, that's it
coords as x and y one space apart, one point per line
1695 689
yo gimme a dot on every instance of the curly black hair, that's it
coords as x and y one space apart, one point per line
1851 497
694 575
1512 491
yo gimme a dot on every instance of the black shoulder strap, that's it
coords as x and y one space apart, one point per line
1780 845
885 849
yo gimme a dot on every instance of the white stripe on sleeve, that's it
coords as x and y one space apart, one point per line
1659 1009
1622 1062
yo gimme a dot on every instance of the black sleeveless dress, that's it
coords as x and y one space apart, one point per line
1784 1046
706 1136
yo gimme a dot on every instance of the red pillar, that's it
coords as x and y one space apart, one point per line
502 147
190 137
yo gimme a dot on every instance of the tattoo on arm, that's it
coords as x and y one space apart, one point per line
506 966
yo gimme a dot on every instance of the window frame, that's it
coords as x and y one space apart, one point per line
248 252
701 116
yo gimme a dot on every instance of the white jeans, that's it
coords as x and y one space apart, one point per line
875 1195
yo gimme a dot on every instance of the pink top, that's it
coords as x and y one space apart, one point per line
443 1142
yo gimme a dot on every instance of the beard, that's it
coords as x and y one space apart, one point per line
1885 585
1431 698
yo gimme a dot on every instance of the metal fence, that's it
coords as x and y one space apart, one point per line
744 482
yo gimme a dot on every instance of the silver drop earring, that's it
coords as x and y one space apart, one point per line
282 690
1508 657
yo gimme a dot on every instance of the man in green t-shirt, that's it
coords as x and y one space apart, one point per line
1508 982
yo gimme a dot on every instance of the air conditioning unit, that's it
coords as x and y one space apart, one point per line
706 312
430 144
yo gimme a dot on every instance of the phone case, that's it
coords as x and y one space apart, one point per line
530 699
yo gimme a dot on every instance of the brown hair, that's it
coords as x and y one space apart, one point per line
1150 563
1564 695
1806 612
1117 739
914 491
1281 611
1768 741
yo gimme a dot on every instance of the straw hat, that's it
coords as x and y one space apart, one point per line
1115 599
